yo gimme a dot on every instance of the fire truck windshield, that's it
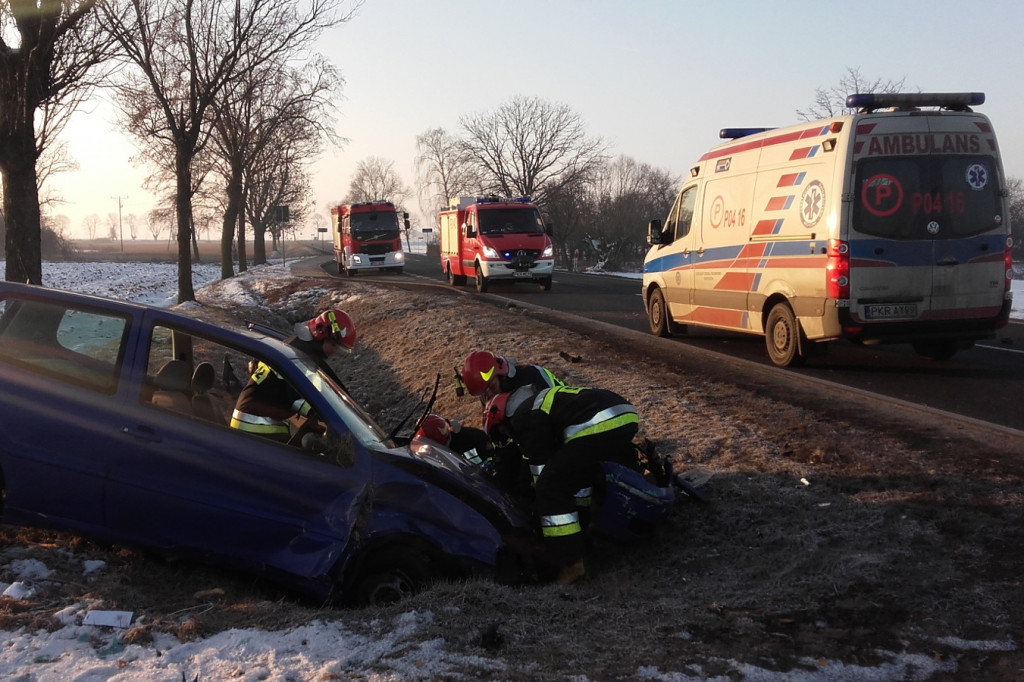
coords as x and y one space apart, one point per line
382 225
510 221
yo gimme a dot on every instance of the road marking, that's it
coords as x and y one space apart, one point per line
1008 350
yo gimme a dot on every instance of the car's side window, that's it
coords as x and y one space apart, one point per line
192 375
81 347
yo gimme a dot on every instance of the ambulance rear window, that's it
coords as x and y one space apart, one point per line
926 197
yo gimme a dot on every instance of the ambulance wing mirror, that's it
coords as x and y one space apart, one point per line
655 235
405 219
549 229
470 231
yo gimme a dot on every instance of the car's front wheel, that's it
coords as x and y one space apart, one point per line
390 576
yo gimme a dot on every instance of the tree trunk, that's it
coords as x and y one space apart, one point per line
259 244
21 212
231 219
183 208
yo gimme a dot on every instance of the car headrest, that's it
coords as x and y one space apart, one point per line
173 376
203 378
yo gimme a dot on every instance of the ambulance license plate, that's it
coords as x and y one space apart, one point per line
520 274
890 311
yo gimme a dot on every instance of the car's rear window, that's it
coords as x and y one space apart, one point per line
927 197
81 347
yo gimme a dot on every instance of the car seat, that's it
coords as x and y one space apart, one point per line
204 404
171 387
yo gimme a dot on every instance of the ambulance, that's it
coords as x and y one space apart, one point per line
890 225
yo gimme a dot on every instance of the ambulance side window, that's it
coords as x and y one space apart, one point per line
682 212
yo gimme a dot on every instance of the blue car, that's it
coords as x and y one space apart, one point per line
115 422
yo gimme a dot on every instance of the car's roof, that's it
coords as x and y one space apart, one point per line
185 322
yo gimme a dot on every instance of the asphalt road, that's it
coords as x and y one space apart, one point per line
984 383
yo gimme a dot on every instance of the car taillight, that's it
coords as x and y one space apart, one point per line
1008 258
837 270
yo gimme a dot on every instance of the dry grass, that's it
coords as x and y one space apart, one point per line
836 531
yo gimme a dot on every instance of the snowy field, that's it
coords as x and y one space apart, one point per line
318 651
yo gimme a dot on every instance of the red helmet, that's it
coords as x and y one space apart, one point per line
435 428
333 324
494 412
480 368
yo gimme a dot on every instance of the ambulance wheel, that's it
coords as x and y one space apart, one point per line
350 272
545 284
935 350
341 269
782 337
657 315
481 281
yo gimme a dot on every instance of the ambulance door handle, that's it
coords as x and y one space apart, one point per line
700 251
948 260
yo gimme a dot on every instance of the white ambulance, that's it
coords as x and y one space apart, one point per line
890 225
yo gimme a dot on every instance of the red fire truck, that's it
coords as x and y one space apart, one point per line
495 239
368 235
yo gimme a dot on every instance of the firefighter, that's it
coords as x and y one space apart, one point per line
565 433
473 444
485 374
267 403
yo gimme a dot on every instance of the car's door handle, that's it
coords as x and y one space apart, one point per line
948 260
143 432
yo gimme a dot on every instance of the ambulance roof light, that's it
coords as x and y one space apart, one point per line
957 101
733 133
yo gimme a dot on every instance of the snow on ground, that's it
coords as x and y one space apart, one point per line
318 651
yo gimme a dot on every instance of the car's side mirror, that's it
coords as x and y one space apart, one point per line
654 233
470 231
549 230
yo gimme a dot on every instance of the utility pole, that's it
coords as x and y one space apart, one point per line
120 227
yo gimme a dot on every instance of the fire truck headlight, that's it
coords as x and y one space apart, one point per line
489 252
399 256
549 251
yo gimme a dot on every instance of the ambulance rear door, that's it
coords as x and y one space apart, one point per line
928 226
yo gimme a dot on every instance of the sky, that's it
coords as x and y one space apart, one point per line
655 79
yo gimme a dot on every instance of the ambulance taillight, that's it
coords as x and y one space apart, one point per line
837 269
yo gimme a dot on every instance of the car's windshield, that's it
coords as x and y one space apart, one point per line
375 225
510 221
927 197
361 424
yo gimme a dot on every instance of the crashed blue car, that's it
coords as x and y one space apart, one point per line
115 426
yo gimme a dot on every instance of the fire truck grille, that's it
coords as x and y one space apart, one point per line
374 249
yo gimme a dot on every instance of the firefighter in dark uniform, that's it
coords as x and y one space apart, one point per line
485 374
268 402
565 433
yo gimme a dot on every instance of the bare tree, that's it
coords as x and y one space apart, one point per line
51 56
91 222
277 179
113 226
185 52
829 102
250 116
154 224
528 147
376 179
626 195
443 171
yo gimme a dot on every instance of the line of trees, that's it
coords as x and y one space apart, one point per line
539 149
222 96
